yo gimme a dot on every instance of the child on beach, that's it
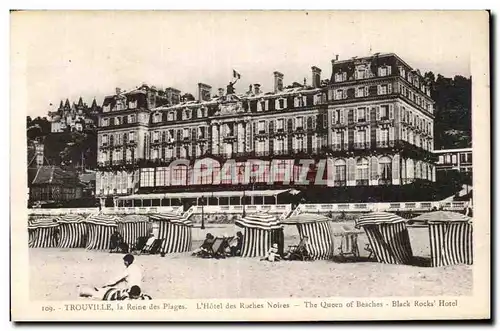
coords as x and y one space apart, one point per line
272 255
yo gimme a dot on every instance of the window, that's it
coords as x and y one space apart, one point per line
360 92
361 137
262 105
105 122
131 136
384 136
340 76
131 119
157 118
301 146
281 103
280 145
261 147
147 177
382 89
384 112
299 122
262 127
118 120
447 158
132 104
385 170
105 140
339 94
361 73
279 124
362 172
383 71
441 159
297 101
187 114
340 172
338 116
454 159
156 136
170 116
362 114
402 72
185 133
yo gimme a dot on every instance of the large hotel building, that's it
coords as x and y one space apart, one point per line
369 125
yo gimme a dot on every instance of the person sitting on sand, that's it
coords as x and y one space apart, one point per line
237 244
207 244
272 255
132 274
113 294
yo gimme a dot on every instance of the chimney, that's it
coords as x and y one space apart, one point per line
204 92
316 76
118 90
256 89
278 81
221 92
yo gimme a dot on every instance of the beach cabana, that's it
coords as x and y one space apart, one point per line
259 231
100 228
317 228
388 237
42 233
175 232
73 231
450 236
132 227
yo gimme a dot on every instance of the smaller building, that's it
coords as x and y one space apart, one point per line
76 117
454 159
55 185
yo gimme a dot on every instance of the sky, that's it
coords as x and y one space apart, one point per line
66 54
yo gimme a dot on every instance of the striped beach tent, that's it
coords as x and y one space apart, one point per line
450 236
73 232
132 227
258 233
175 231
388 237
41 232
317 228
100 228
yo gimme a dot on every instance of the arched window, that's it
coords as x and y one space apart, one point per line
385 170
362 172
340 172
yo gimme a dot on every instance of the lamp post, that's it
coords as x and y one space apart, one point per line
202 201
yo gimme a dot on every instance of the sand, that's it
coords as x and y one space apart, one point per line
55 274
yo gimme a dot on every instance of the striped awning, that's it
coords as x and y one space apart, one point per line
259 221
172 218
101 219
42 223
441 216
378 218
70 218
305 218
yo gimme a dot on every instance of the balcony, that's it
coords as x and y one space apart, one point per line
338 124
362 122
385 181
340 183
229 138
361 182
361 145
385 143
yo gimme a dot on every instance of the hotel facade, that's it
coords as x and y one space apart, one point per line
369 124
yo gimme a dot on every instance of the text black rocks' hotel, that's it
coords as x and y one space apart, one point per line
371 122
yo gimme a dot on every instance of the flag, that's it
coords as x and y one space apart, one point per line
236 74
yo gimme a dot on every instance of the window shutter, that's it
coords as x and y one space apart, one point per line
344 94
377 110
378 89
374 168
391 112
366 91
389 88
351 169
389 70
391 133
355 117
378 134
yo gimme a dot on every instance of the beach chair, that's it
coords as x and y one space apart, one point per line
207 249
370 251
220 251
152 248
298 252
139 244
349 245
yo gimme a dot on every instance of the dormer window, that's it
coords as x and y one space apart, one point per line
361 73
170 116
402 71
106 108
132 104
339 94
187 114
262 106
280 104
131 119
384 71
341 77
157 118
105 121
156 136
297 101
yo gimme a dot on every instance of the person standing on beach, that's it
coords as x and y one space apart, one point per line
132 274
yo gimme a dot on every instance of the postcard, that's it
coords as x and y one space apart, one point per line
250 165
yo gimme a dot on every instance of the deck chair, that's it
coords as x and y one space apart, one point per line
139 244
298 252
152 248
207 249
221 252
370 251
349 245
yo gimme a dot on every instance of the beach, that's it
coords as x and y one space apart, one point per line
56 274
